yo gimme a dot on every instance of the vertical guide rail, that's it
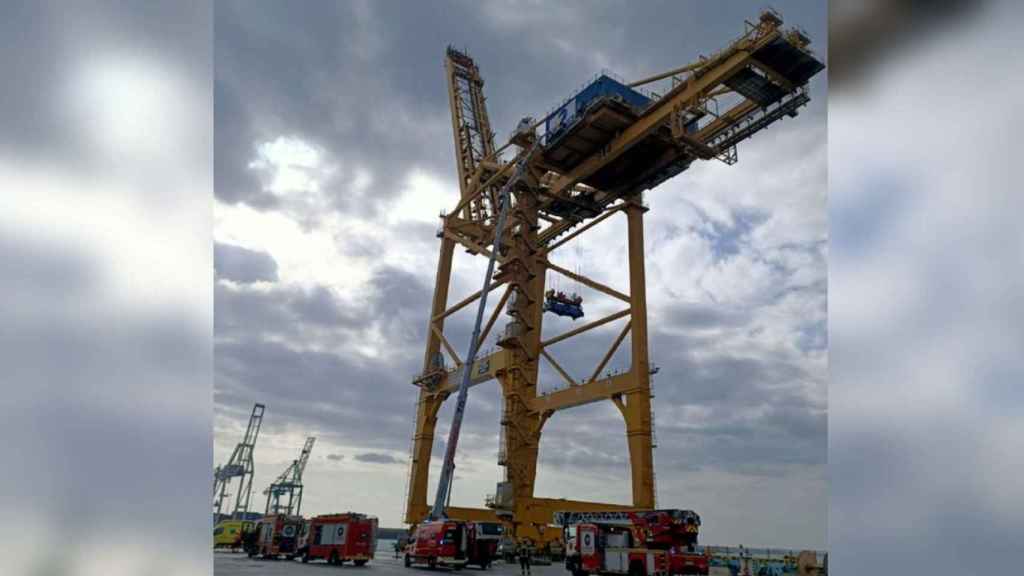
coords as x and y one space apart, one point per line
447 471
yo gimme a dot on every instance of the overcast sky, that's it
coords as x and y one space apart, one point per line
333 158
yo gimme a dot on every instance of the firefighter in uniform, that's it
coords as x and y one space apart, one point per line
524 550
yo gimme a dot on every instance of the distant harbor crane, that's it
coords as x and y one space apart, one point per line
289 484
240 466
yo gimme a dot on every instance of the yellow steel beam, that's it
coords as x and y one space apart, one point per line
585 327
638 401
558 367
656 116
503 170
447 345
465 302
494 315
611 351
584 393
588 226
485 368
730 117
456 124
617 400
673 72
588 282
471 245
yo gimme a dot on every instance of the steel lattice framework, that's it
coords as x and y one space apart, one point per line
240 466
284 495
597 169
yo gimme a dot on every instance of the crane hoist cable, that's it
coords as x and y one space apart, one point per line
447 471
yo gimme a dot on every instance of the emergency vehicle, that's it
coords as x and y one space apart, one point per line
637 543
228 533
338 538
276 535
483 542
439 543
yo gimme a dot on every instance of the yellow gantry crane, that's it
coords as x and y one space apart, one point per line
588 160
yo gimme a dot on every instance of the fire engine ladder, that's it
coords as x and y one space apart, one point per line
447 472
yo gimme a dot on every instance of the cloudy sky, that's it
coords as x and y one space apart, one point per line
333 158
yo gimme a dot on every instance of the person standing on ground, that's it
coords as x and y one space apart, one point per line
524 557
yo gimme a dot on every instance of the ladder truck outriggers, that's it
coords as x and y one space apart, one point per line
637 543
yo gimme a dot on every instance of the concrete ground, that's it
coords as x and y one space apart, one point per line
231 564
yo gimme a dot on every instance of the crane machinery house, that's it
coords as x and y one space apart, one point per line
602 91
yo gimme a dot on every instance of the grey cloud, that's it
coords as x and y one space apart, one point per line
319 306
377 458
243 265
703 316
358 399
336 457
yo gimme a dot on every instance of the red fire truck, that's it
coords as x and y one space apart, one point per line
276 535
637 543
438 543
454 543
483 542
337 538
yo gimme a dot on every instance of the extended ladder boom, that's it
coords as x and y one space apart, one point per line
448 470
622 517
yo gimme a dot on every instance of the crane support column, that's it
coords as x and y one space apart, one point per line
430 399
524 271
637 412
